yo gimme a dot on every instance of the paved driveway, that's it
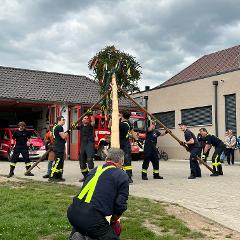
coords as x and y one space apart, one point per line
216 198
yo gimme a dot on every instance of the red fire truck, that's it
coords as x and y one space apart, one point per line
138 120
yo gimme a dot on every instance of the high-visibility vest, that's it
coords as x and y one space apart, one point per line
89 189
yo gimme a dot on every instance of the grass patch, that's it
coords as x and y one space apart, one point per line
37 211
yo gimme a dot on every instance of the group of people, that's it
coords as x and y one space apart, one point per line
105 188
199 148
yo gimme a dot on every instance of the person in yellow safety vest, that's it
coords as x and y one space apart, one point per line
125 131
104 193
59 147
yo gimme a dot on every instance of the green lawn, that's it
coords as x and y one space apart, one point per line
37 211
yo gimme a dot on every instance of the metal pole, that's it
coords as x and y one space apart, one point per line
215 84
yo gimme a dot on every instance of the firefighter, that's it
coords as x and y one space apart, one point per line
104 193
49 144
125 131
59 148
194 149
86 157
151 151
22 137
212 140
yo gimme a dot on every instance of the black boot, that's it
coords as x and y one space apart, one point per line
157 176
144 176
220 171
84 176
29 174
11 173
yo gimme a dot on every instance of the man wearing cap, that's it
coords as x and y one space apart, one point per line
59 148
194 149
104 193
22 138
86 157
151 152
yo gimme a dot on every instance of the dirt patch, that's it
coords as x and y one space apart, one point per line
4 179
196 222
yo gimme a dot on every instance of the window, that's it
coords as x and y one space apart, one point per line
230 112
141 101
167 118
197 116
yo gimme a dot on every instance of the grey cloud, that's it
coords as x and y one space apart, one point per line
164 35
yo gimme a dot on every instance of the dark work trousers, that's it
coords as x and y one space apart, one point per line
86 157
126 147
194 166
217 166
150 155
89 222
57 169
230 155
25 155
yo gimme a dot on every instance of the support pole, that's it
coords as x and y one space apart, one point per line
71 128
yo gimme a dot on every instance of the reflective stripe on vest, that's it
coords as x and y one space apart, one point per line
53 129
89 189
129 131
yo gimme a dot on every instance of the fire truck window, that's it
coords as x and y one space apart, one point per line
102 123
2 134
108 120
96 122
74 134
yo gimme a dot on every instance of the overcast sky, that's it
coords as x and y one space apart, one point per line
164 35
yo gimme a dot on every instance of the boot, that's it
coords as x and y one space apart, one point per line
220 171
191 177
214 174
29 174
144 176
84 176
11 173
157 176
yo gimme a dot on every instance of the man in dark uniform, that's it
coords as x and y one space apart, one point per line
212 140
22 137
59 148
125 131
194 149
86 157
151 152
104 193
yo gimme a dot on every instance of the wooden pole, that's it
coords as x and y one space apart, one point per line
163 126
71 128
115 115
153 117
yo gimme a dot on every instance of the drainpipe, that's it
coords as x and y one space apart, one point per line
215 84
147 88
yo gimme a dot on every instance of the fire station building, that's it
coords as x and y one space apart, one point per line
38 97
205 94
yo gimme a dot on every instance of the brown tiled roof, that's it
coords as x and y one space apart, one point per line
32 85
213 64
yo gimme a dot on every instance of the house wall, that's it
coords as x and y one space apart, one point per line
192 94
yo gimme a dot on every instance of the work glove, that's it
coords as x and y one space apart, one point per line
73 125
116 226
139 143
203 157
68 131
89 112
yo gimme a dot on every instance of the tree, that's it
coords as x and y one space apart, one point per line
119 69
